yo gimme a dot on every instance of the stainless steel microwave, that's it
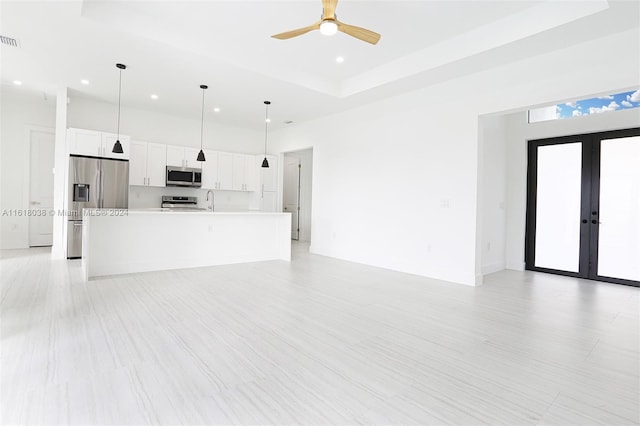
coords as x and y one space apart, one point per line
184 176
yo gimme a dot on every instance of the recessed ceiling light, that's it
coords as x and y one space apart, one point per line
85 82
154 97
216 109
339 59
268 120
17 82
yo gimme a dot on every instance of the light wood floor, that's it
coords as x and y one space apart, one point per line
316 341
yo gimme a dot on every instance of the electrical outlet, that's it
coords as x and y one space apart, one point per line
489 246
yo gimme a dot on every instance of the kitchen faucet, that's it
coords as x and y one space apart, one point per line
210 205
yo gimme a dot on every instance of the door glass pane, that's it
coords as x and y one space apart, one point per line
558 207
619 232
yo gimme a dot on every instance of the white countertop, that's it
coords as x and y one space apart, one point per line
164 211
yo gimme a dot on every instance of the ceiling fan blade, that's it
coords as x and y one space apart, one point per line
359 33
329 9
298 32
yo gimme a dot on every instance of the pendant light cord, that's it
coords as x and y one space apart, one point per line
202 121
119 95
266 129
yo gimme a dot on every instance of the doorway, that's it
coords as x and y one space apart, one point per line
42 145
296 194
583 205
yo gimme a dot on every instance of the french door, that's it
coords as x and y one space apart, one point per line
583 206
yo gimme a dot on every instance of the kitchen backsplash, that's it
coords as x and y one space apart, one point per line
146 197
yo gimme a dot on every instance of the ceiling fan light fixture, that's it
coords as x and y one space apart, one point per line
328 27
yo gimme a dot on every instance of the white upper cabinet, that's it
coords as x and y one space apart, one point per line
175 156
225 170
156 164
244 172
109 139
96 144
217 171
138 164
190 157
179 156
147 165
210 170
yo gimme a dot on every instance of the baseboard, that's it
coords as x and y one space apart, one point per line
516 266
490 268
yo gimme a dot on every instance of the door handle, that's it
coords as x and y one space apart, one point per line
33 203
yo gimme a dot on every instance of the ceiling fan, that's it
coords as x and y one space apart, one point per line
329 25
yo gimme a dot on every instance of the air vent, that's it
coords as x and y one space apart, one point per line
8 41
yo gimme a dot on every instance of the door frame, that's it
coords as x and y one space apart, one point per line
284 172
590 201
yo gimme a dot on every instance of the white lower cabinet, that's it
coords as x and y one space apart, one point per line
147 164
269 201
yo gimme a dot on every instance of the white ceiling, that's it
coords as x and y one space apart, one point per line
171 47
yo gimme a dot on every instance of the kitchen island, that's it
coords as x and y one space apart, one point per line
128 241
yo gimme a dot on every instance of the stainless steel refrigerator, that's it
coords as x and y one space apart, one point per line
94 183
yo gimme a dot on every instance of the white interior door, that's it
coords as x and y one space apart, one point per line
291 193
41 187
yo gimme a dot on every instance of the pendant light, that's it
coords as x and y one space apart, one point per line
265 162
201 153
117 147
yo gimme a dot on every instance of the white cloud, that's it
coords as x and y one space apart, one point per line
634 97
611 107
627 104
605 97
577 113
571 104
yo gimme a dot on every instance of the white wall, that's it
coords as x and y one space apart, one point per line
518 133
151 126
395 183
492 142
306 191
17 112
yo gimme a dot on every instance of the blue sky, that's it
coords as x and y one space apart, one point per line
615 102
